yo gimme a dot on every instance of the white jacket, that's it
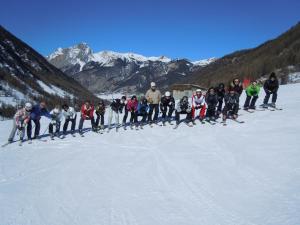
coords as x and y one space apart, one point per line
198 101
58 116
70 114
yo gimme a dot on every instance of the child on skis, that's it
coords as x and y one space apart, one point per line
20 121
220 91
252 92
70 116
271 87
198 105
87 113
132 107
211 100
183 107
56 116
100 111
231 107
167 102
116 107
143 109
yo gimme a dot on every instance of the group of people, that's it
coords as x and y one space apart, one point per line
209 106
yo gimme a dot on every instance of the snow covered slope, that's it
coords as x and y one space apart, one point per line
245 174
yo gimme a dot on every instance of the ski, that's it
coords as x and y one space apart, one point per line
248 110
211 122
176 126
224 123
189 124
238 121
5 144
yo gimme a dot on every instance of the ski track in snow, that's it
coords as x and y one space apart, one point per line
159 175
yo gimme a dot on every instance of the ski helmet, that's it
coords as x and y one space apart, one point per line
167 94
198 91
152 84
28 106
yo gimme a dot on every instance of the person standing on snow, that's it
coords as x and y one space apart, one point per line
198 106
211 101
231 107
56 116
70 116
100 111
132 107
37 112
220 91
183 107
167 102
124 120
116 107
143 109
252 92
20 121
153 96
271 87
87 113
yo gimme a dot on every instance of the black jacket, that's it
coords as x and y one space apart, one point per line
116 105
271 86
231 99
164 102
211 100
220 93
237 88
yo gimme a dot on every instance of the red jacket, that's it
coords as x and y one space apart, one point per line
132 105
87 113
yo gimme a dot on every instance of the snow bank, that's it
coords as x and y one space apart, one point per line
241 174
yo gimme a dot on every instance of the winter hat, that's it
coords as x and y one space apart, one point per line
152 84
28 106
167 94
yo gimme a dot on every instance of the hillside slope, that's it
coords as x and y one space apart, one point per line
281 55
245 174
27 75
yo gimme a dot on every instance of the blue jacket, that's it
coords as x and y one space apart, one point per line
37 112
142 108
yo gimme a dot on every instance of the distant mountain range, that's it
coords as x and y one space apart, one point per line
27 75
109 71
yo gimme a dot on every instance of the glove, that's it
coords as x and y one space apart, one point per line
53 122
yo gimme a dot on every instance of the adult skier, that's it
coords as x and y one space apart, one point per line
231 107
116 107
70 116
211 100
183 107
56 116
167 102
237 86
100 111
132 107
143 109
220 91
87 113
124 120
271 87
37 112
20 121
252 92
153 97
198 105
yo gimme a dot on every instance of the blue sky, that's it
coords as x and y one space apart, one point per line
177 29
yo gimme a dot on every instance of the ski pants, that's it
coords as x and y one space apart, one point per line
188 116
13 131
66 124
125 115
36 130
100 118
220 104
250 101
144 116
268 94
133 117
164 110
211 111
110 116
230 109
200 112
155 108
55 124
82 121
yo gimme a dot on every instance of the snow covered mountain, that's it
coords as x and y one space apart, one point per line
242 174
26 75
111 71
